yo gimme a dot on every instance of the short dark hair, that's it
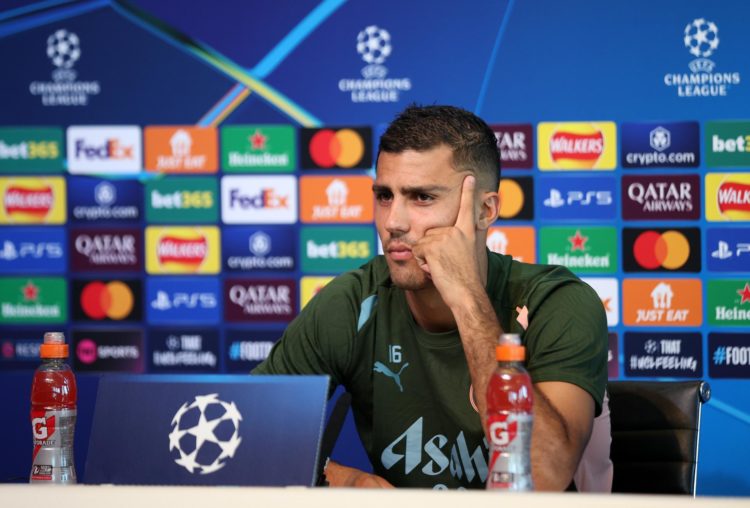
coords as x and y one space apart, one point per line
473 143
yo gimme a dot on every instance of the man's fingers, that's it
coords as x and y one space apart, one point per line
466 221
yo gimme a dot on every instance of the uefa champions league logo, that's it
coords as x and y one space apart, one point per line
205 433
374 45
701 39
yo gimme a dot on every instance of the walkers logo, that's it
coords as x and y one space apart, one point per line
729 302
64 49
662 145
94 200
730 355
24 149
608 293
246 349
516 198
175 200
259 199
108 350
727 144
258 148
728 249
374 46
33 250
336 199
183 149
661 197
728 197
663 355
613 361
104 149
661 250
108 300
577 145
662 302
566 198
182 250
188 300
33 300
106 250
175 351
32 200
516 145
336 249
349 147
259 300
701 39
583 250
270 248
311 286
519 242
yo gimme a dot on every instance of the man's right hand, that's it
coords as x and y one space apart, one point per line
343 476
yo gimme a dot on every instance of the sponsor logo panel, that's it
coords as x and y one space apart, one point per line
258 148
182 250
108 350
178 200
516 198
608 291
250 300
19 349
662 302
729 355
727 197
259 199
189 300
181 149
38 149
104 149
661 250
251 248
183 350
336 199
336 147
516 145
33 250
336 249
566 198
32 200
729 302
613 357
663 354
576 146
106 250
98 200
583 250
661 197
660 145
728 249
107 300
519 242
33 300
246 349
311 286
727 144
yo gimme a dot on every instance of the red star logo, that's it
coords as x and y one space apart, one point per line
606 302
258 140
744 293
578 241
30 291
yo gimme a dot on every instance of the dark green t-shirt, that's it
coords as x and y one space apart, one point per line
411 389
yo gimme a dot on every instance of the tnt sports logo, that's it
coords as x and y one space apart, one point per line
342 199
672 302
577 145
32 200
728 197
104 149
661 250
106 300
348 148
205 433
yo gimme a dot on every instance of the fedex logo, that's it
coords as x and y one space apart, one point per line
111 149
266 198
104 149
577 198
259 199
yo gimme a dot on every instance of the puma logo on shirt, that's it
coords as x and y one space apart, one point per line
382 369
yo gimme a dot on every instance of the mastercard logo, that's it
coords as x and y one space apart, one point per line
113 300
342 148
513 199
670 250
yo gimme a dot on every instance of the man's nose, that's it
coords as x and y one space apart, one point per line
397 220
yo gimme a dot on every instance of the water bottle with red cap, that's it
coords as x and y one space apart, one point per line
53 414
510 398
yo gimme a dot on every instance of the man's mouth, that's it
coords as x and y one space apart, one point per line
399 252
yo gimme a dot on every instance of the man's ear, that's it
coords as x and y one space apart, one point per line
489 207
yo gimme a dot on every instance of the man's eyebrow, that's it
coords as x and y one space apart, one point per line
419 189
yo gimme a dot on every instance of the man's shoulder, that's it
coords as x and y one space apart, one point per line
360 283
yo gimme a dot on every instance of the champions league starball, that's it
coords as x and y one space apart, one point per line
374 44
701 37
205 433
63 48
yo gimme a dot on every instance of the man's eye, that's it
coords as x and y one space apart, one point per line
424 198
383 196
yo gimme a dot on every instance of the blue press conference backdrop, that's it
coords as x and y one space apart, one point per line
179 179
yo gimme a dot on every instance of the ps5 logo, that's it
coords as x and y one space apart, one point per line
30 250
580 198
183 300
724 252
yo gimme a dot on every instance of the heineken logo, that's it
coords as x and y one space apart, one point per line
33 300
258 148
729 302
584 250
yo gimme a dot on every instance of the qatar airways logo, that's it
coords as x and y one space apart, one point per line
260 300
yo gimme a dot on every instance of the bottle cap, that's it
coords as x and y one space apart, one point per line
54 346
510 349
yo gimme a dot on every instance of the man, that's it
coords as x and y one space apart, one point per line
412 334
